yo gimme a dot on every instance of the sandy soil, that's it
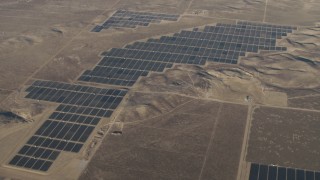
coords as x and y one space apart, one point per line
285 137
181 142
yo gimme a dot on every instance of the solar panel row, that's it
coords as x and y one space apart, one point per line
125 12
75 87
271 172
127 63
129 19
77 97
76 118
68 128
63 132
155 56
118 76
266 25
229 50
223 43
213 43
257 28
31 163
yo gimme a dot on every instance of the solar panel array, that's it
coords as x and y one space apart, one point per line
78 99
130 19
270 172
70 125
223 43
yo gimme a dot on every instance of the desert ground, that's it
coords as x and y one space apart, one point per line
189 122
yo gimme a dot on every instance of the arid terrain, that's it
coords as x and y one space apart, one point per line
189 122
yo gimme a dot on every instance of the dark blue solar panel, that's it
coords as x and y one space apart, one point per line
254 172
272 172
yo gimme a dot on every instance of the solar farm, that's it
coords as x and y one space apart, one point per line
81 107
159 90
129 19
